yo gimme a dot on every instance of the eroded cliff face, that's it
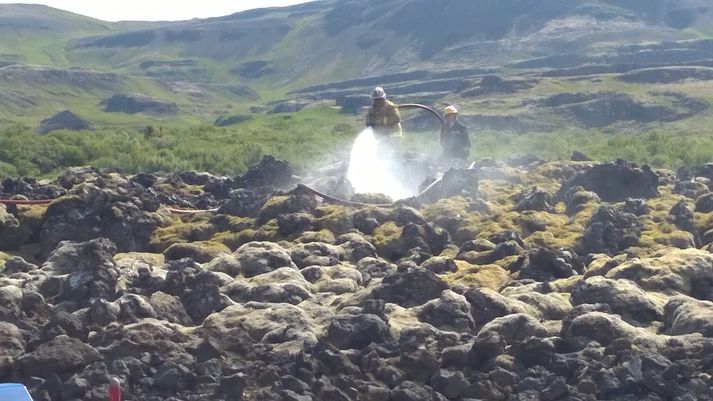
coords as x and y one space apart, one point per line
530 286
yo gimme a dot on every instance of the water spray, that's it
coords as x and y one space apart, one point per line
375 167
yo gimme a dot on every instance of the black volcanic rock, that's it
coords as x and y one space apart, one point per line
348 331
269 172
321 314
615 182
410 287
65 120
132 104
103 212
610 231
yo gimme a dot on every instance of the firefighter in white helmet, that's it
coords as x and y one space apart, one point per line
455 139
383 116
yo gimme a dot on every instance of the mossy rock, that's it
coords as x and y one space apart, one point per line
567 238
201 251
285 204
3 258
445 208
151 259
224 222
335 218
21 227
388 240
234 240
531 222
269 231
324 236
180 232
492 277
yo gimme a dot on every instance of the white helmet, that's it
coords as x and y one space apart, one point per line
378 93
450 110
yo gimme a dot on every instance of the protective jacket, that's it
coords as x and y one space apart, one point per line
455 140
385 119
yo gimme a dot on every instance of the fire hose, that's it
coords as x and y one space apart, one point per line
422 107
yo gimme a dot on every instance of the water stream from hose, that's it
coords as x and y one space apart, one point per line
373 168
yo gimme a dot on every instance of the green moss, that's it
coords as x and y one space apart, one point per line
3 258
178 233
388 240
234 240
269 231
325 236
445 208
335 218
493 277
200 251
224 222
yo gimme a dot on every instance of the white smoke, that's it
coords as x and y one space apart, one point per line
374 168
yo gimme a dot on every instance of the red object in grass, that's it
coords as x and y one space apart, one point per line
114 390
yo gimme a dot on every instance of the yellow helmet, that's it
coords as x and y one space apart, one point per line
450 110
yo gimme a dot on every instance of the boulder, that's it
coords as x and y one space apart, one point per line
245 202
57 356
623 296
615 182
486 305
704 203
683 315
411 391
348 331
440 265
269 172
453 183
610 231
257 258
410 287
678 271
11 342
87 270
494 337
689 188
546 265
285 326
451 312
90 212
603 328
200 251
533 199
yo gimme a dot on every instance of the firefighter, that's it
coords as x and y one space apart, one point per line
383 116
454 136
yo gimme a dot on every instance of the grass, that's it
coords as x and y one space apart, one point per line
306 138
659 147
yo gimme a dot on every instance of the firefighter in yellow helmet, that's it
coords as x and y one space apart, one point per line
383 116
455 139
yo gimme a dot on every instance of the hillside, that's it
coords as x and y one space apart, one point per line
422 50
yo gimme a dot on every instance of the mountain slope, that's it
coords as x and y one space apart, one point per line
426 50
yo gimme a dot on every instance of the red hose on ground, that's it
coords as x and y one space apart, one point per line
48 201
114 390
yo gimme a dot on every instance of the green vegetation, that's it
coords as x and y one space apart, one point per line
312 137
656 147
307 138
